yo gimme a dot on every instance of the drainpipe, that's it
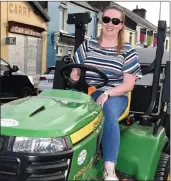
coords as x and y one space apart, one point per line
95 25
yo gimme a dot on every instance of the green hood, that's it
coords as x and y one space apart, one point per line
53 113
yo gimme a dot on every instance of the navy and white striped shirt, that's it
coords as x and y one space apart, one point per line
107 60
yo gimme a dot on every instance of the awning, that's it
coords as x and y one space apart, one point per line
66 39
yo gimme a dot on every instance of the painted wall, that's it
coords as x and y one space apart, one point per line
127 37
54 13
20 12
149 40
53 25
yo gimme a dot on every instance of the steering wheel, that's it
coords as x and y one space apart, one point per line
81 84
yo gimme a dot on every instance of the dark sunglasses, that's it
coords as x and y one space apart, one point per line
115 21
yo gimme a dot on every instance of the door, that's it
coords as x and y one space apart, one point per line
16 53
34 57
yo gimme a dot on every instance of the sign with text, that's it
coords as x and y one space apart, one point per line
11 40
19 9
24 31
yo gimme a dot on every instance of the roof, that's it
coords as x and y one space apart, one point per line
101 5
39 10
84 5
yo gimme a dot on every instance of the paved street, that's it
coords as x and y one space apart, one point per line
147 55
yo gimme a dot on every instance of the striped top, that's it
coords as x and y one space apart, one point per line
107 60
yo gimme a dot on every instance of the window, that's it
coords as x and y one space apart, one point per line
50 71
62 19
63 15
70 51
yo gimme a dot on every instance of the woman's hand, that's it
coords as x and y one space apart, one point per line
75 74
101 99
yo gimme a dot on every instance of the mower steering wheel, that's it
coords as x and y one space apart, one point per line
81 84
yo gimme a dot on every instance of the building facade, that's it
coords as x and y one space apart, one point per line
61 36
24 36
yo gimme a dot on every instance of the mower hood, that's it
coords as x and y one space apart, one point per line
54 113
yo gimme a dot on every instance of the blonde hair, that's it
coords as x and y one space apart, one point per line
121 32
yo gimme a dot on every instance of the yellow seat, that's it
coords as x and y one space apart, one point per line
126 112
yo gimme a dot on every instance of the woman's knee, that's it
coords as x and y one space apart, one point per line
114 106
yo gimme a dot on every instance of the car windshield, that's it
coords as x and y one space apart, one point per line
3 62
50 71
3 66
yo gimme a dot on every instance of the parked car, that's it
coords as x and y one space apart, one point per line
14 83
46 79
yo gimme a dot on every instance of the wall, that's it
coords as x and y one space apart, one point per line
20 12
53 25
127 36
99 27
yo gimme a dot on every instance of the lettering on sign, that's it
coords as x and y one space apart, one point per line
25 31
19 10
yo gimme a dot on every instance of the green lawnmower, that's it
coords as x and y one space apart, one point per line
57 134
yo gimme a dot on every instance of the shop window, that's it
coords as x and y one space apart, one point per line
70 51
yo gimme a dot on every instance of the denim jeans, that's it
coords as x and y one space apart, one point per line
113 109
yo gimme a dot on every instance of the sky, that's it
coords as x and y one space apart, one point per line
152 9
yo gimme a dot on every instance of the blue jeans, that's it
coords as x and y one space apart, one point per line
113 109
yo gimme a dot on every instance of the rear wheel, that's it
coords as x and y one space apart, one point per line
26 91
163 168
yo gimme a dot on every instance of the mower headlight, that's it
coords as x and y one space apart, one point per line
40 145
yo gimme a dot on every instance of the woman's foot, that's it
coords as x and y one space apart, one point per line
110 175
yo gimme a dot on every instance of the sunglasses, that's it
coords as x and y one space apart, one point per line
115 21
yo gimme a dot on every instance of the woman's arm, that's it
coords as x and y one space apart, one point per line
126 86
78 58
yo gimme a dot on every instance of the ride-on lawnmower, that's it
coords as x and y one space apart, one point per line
57 134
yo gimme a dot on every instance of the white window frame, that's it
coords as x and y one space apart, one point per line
63 11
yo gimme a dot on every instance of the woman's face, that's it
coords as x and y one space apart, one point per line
109 28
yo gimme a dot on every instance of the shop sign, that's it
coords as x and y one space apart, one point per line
24 31
18 9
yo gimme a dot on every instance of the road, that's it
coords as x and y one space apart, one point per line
147 55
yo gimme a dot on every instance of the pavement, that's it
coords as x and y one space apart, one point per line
147 55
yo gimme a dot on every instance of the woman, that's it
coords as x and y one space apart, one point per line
120 63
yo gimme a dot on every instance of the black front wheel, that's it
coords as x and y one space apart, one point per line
163 168
26 91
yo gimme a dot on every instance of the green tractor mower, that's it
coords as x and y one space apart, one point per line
56 135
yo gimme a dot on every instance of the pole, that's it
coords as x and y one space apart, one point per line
160 11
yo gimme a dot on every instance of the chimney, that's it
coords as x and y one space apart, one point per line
141 12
